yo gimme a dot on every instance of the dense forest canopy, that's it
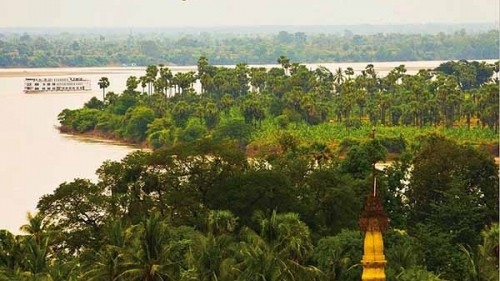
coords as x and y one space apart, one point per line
262 174
70 49
197 207
203 211
259 106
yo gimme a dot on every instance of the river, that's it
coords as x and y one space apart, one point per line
36 158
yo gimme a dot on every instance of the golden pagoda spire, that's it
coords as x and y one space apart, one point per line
373 222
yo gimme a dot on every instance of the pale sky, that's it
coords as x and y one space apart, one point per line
177 13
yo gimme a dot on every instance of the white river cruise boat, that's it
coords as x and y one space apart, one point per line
59 84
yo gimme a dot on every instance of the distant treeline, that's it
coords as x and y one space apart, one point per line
71 49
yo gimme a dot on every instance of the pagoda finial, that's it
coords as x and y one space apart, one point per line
374 180
373 222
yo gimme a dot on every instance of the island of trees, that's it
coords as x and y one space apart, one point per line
262 108
87 49
263 173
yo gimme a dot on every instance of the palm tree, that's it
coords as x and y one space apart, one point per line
483 265
36 259
226 103
285 63
103 84
488 111
324 81
184 80
210 256
144 82
289 235
202 66
257 261
468 109
221 222
166 77
448 95
181 113
151 73
206 82
279 252
241 72
10 252
35 226
321 154
211 115
252 111
258 78
132 83
106 263
417 274
36 247
199 111
349 72
338 77
488 253
145 257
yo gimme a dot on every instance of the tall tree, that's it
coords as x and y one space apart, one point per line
285 63
103 84
132 83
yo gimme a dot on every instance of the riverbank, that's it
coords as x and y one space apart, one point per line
100 137
64 71
23 72
382 68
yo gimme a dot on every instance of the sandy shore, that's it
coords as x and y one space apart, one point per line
382 67
62 72
69 71
49 72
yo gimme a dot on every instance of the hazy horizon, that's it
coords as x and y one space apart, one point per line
230 13
359 29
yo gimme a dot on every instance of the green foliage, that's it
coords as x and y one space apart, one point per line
78 207
333 201
136 122
416 274
445 174
468 74
83 49
181 113
233 129
404 254
288 142
203 211
360 158
94 103
449 181
308 106
161 138
103 84
255 190
486 261
109 123
156 215
84 119
282 121
191 133
339 256
121 105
